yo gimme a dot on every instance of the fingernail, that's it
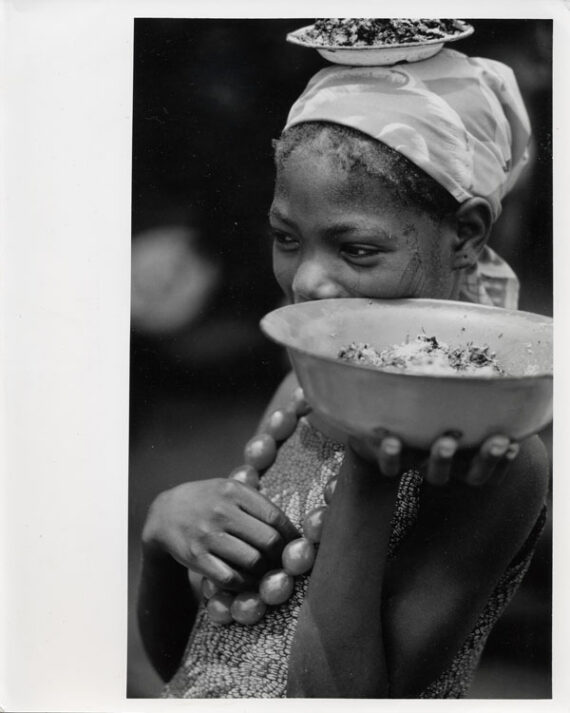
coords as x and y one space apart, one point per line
498 446
391 447
498 450
447 450
512 451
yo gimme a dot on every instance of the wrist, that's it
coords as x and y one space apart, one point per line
157 562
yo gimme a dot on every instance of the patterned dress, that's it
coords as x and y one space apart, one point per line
236 661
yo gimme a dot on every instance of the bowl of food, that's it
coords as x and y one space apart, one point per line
419 368
378 42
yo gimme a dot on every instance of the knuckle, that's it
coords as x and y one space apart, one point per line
219 514
202 534
228 488
206 540
195 550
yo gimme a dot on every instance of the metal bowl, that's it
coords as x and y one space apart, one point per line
368 402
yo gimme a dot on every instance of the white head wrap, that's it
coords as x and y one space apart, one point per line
460 119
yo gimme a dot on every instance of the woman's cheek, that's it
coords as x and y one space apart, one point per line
402 277
412 278
399 279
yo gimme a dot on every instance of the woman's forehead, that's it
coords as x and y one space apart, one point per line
306 171
336 223
314 182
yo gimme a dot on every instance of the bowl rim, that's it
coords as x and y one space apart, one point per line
296 38
510 378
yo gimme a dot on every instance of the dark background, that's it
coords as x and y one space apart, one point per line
209 95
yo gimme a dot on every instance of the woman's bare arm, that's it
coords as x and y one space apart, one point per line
445 572
182 527
338 649
347 643
166 610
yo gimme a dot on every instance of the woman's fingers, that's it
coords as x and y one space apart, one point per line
237 553
440 461
503 466
222 574
444 461
389 456
486 460
258 523
266 512
385 453
265 539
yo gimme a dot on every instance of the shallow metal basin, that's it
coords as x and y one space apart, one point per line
365 401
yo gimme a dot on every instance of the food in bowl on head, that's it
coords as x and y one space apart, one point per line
425 355
366 32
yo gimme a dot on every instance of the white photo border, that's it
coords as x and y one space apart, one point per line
65 224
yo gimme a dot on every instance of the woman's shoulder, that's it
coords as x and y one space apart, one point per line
508 506
517 494
525 485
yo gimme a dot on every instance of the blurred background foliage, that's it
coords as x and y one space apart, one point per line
208 98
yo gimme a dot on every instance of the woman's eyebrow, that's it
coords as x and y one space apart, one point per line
341 229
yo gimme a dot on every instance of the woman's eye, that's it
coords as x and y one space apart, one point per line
360 253
284 241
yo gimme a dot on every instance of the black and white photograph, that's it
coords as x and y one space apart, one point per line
352 500
283 354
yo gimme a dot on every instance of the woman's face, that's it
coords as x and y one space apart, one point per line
337 234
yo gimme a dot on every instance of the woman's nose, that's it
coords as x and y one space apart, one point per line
313 282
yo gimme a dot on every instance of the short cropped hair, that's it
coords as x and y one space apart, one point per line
354 151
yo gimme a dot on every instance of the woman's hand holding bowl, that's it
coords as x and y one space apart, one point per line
443 461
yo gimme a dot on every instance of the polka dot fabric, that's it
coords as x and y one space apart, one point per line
236 661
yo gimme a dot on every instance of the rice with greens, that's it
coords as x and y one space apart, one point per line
425 355
364 32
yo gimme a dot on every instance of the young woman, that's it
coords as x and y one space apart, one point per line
388 183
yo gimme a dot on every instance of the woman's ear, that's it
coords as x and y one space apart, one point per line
472 225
